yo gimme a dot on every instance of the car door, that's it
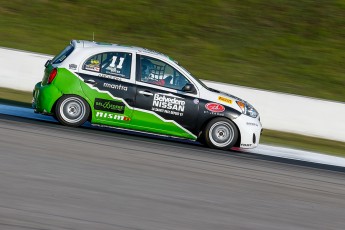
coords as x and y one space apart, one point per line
108 85
159 91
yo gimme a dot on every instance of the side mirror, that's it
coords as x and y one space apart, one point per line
189 88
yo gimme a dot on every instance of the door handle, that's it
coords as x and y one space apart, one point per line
90 81
146 93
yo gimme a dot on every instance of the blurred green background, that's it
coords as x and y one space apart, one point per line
289 46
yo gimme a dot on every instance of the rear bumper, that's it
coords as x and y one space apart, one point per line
44 98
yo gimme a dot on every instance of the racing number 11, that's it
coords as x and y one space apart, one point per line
119 66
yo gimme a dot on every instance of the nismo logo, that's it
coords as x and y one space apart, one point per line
110 116
110 106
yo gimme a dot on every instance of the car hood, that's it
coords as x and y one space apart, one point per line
224 94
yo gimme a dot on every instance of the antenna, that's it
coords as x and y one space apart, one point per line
93 36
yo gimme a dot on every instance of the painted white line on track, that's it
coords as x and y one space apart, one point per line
296 154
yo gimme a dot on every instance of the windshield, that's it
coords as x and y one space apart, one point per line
63 55
198 80
203 84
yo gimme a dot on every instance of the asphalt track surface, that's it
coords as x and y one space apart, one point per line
56 177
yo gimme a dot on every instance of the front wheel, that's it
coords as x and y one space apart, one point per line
221 133
72 110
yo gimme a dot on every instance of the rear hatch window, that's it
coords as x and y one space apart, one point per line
56 60
62 55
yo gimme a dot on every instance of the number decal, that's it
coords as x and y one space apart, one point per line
119 66
113 65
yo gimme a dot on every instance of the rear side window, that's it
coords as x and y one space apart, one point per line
63 55
111 63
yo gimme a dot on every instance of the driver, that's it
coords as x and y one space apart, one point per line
147 69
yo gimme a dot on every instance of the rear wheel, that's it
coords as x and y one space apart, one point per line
72 110
221 133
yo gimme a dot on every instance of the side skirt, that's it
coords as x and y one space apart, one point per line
142 132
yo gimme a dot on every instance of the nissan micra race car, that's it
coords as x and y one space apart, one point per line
142 90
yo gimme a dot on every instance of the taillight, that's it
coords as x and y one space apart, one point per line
52 75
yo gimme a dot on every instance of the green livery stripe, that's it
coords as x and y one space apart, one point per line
149 120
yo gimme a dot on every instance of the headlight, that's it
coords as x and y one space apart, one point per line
247 109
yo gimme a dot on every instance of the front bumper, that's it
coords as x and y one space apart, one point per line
250 131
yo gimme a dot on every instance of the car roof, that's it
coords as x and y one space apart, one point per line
94 44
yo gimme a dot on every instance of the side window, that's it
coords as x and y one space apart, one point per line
157 72
110 63
93 63
118 64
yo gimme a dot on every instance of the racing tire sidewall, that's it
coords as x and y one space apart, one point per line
221 133
72 110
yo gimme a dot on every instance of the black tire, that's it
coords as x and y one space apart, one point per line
221 133
71 110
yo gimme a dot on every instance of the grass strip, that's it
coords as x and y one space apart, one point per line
22 98
15 97
303 142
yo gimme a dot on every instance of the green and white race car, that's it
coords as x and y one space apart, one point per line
142 90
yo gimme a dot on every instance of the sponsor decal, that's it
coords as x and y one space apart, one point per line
111 116
92 68
224 99
110 76
215 107
252 124
95 62
72 66
115 86
112 70
110 106
246 145
168 103
196 101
